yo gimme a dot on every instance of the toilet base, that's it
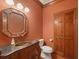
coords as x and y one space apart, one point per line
46 55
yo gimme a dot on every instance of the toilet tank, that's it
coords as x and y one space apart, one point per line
41 42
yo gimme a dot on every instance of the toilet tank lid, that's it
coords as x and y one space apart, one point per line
47 48
41 39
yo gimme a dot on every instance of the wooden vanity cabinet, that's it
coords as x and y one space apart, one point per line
64 33
31 52
35 52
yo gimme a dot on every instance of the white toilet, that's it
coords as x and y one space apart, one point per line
45 50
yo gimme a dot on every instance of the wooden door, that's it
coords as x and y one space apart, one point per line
68 34
75 33
59 34
64 33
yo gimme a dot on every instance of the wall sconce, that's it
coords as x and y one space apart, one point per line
56 22
19 6
27 9
9 2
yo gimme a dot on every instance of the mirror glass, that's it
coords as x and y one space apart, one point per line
15 23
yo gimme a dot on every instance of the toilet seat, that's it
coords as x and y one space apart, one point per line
47 49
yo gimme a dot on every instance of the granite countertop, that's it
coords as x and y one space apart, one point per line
11 49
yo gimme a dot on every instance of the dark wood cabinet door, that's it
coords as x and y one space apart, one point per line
24 53
14 55
35 52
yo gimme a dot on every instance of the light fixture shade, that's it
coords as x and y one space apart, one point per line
19 6
27 9
44 2
9 2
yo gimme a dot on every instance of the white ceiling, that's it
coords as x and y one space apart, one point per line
44 2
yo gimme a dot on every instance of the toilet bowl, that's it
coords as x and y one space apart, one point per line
45 50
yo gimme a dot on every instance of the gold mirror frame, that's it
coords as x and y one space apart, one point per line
7 12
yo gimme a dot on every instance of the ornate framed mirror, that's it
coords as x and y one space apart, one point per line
15 23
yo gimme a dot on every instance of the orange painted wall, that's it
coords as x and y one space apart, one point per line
48 12
34 17
48 17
